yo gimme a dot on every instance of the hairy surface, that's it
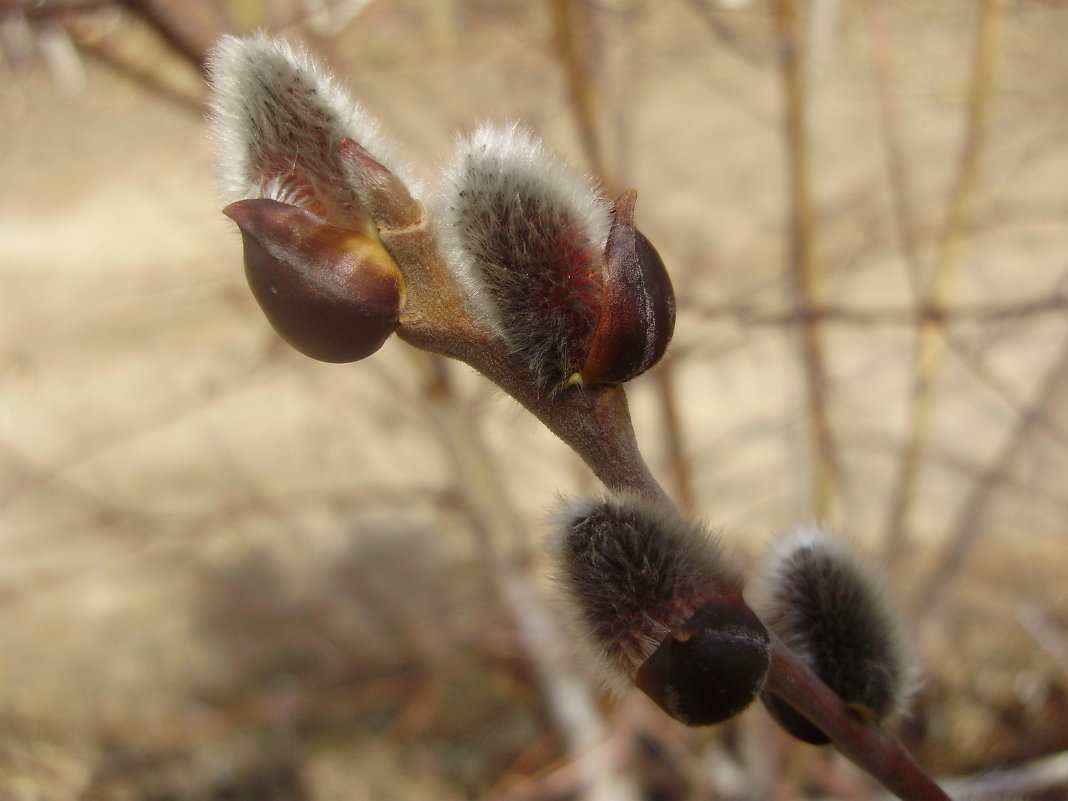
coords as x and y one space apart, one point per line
631 572
277 118
526 239
835 616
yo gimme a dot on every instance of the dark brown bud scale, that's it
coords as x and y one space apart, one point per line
333 294
637 315
659 602
793 721
711 668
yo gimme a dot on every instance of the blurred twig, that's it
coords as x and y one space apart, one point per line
584 55
890 129
572 28
500 533
1041 779
100 49
930 342
804 269
1025 310
727 36
973 511
188 28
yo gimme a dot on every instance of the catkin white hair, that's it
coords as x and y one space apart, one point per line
523 234
630 571
277 118
836 616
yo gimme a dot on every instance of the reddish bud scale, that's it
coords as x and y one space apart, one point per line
383 193
638 306
333 294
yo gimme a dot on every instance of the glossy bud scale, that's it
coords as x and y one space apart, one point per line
711 668
637 315
333 294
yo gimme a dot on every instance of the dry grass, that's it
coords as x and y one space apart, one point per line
227 572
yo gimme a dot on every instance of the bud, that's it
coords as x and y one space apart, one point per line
637 306
830 612
307 197
659 603
278 119
331 293
579 295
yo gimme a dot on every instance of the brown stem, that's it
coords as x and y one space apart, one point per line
594 422
878 753
572 23
501 538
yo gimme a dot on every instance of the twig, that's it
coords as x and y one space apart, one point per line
879 754
595 423
189 29
803 266
930 343
728 37
896 165
101 51
682 479
973 511
612 25
571 25
499 531
749 313
1037 779
1041 776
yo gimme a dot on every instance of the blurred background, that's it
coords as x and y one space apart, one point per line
229 572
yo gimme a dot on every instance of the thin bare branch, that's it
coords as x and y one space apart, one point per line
1026 310
502 540
893 148
803 264
973 511
930 344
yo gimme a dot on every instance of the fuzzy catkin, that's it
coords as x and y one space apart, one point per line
834 615
631 572
277 118
525 237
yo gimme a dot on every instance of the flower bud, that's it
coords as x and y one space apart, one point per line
637 305
659 603
579 297
279 119
830 612
333 294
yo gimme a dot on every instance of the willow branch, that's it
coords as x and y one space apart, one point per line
594 422
878 753
930 346
499 531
